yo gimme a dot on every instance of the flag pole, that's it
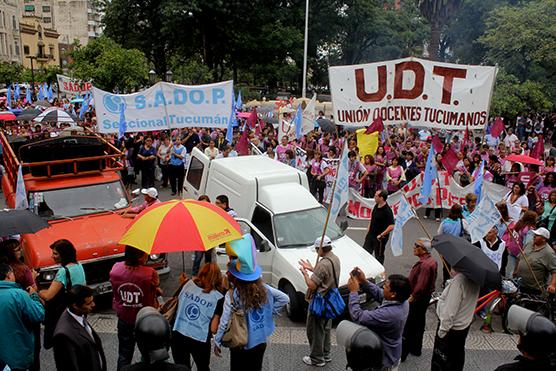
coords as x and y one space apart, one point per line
330 204
305 47
425 230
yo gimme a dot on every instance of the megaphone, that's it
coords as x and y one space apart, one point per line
538 333
364 351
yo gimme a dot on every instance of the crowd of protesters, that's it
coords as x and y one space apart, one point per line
525 233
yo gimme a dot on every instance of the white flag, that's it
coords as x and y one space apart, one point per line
483 218
405 212
341 192
309 115
20 192
286 129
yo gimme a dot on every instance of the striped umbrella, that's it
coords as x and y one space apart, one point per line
55 115
7 116
181 225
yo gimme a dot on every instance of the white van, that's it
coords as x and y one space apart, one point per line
274 204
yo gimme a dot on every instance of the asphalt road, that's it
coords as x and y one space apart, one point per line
289 343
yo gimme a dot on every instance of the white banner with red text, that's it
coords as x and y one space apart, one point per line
448 194
414 91
72 86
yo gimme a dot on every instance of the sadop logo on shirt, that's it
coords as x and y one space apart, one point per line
192 312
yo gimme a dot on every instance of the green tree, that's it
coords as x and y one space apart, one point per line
10 72
512 97
522 40
109 66
47 74
438 13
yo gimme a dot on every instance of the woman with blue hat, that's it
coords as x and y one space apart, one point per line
259 303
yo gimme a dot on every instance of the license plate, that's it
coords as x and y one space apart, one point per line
103 288
362 298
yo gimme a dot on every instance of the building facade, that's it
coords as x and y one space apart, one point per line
10 40
38 34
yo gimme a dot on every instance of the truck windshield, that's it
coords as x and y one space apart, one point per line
302 228
68 202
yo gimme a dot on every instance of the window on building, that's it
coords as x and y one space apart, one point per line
47 19
51 50
16 47
26 49
14 22
30 8
41 50
46 9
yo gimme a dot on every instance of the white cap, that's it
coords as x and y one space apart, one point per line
543 232
151 192
326 242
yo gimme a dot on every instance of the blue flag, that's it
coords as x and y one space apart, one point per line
40 95
479 182
341 192
405 212
123 124
298 121
28 97
84 108
231 123
49 93
9 97
17 91
430 174
239 103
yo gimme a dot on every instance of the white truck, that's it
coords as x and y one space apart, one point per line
274 205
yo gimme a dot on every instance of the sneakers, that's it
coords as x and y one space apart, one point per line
308 361
327 359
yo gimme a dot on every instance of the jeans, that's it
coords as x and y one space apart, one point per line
412 340
183 348
147 176
437 212
198 258
318 334
247 359
318 187
126 343
449 351
165 174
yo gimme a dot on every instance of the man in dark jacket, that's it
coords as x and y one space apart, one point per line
76 345
387 320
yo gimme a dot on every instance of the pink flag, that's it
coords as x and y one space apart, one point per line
538 149
376 125
497 128
437 144
450 160
252 119
242 146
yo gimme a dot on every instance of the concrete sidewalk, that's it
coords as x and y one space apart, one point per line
289 344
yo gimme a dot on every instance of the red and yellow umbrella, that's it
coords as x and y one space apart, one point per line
181 225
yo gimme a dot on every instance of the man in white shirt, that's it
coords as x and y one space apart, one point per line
455 311
511 140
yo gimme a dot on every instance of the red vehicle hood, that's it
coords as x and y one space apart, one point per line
94 236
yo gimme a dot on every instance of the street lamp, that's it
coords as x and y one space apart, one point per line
169 75
152 76
31 57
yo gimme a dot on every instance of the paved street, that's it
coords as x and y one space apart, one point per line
289 343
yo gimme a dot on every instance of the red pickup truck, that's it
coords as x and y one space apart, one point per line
74 183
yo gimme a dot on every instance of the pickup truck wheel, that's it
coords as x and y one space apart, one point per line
296 308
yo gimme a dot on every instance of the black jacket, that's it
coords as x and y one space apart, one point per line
74 349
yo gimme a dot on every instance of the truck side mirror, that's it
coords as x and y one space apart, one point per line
264 246
344 225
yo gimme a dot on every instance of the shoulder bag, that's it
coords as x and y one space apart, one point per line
236 332
330 305
54 309
170 306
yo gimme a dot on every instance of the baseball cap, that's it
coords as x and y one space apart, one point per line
543 232
325 242
151 192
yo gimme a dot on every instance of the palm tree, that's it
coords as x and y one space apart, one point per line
437 13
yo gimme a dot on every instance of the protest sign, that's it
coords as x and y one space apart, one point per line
448 194
412 90
483 218
340 196
165 106
72 86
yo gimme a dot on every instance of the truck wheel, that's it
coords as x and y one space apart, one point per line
297 307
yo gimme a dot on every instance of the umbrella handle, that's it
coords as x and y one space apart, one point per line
183 262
